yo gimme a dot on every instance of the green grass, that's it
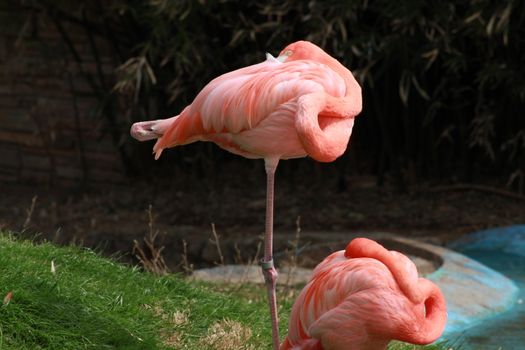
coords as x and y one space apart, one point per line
91 302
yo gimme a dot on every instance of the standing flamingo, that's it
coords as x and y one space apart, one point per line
302 103
363 297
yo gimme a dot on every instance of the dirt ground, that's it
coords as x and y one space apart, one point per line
111 218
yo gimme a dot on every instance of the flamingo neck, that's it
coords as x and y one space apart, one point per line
347 76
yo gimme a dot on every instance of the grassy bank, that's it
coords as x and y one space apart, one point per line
71 298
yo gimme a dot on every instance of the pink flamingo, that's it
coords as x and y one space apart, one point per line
302 103
363 297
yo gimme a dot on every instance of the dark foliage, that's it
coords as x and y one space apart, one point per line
444 81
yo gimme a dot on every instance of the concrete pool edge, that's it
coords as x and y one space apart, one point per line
509 239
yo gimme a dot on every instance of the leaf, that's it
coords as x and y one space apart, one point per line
342 29
490 26
151 75
404 86
7 298
236 37
419 89
355 50
482 132
472 17
446 135
504 18
431 57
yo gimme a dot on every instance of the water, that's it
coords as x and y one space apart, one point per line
505 331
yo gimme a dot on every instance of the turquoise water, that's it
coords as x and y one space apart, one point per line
505 331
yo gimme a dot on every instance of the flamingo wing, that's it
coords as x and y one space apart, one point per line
322 301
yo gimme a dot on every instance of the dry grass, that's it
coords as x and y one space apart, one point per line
187 267
171 335
29 214
149 254
226 335
216 242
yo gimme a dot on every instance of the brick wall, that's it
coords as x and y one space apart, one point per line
51 128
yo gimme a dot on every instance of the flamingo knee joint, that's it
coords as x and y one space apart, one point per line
267 265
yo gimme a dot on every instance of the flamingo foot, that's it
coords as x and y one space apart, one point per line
144 131
151 129
270 277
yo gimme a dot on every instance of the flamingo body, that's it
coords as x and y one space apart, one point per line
356 301
274 110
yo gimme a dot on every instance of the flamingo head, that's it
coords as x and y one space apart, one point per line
303 50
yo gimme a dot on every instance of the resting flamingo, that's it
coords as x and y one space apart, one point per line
302 103
363 297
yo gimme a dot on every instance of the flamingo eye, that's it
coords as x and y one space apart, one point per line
288 53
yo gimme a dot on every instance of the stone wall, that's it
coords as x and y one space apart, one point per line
52 130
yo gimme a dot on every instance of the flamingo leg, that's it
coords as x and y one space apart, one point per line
268 269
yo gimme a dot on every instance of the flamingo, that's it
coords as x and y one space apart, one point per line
302 103
362 297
